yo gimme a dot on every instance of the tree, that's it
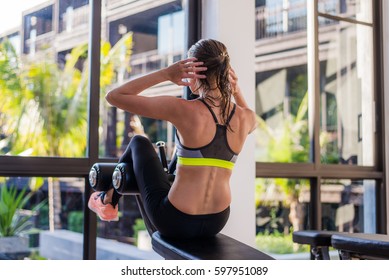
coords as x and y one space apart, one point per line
45 108
288 144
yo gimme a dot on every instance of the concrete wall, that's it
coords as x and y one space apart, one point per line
232 22
67 245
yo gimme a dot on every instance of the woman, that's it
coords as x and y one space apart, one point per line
211 131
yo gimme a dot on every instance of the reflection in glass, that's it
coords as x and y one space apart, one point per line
278 17
347 126
360 10
281 106
348 205
281 17
281 208
281 82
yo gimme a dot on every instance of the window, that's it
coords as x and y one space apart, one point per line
44 84
52 213
347 97
282 206
348 205
144 41
49 124
317 109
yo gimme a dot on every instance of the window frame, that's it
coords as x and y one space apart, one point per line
315 171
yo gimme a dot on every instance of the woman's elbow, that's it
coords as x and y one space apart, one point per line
110 97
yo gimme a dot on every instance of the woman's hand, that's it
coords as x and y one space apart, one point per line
233 78
236 91
183 72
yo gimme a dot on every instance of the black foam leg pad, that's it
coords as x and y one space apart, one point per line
100 176
123 180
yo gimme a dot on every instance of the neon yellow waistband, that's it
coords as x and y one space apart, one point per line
205 162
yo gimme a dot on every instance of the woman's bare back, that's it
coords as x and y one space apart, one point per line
205 189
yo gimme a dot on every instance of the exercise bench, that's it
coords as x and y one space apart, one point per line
349 245
219 247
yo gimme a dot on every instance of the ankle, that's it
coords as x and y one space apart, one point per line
107 198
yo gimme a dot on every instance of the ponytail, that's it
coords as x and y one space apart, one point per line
215 57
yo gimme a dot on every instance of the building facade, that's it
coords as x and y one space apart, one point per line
314 68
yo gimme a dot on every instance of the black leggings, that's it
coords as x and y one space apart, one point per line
154 187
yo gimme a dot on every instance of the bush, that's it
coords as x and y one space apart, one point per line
278 243
76 221
14 219
35 256
138 226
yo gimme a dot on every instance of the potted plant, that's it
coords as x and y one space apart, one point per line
14 220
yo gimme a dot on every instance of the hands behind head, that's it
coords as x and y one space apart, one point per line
184 72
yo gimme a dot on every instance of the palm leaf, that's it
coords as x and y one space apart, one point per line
11 203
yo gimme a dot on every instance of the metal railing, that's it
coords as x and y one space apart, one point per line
116 3
146 62
78 18
278 20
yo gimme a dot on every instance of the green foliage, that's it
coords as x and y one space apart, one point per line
35 256
278 243
329 151
138 226
43 219
76 221
49 106
288 144
298 88
44 108
11 203
259 189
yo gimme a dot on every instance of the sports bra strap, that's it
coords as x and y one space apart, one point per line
213 113
210 109
231 114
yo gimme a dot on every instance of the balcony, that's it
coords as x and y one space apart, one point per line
279 20
146 62
74 19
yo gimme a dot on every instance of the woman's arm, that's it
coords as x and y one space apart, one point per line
236 91
126 96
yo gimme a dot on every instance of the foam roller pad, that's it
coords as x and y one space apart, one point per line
100 176
123 180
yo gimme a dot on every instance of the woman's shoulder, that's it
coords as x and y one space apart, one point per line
188 112
246 117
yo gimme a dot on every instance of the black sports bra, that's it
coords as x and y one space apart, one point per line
217 153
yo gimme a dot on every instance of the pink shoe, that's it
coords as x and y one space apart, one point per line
106 212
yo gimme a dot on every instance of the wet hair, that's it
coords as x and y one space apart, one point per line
215 57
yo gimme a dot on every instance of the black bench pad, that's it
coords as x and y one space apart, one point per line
314 238
220 247
375 245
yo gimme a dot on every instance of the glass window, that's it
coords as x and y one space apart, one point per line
360 10
281 83
281 208
140 40
50 213
43 84
347 117
348 205
281 106
274 18
127 238
347 98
